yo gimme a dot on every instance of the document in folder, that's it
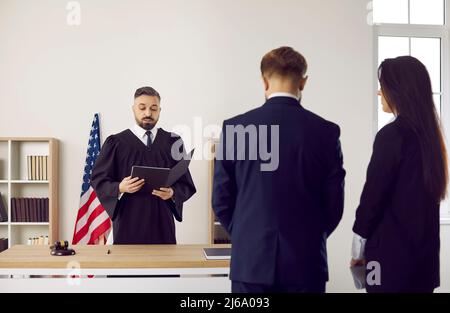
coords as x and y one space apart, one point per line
158 177
359 276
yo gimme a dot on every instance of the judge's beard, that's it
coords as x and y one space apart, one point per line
147 126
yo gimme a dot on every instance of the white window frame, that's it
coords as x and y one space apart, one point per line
422 31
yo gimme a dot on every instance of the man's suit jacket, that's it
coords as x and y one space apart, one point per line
397 216
279 220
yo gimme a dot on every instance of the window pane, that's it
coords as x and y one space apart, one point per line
427 12
383 118
445 211
428 50
390 11
391 47
437 103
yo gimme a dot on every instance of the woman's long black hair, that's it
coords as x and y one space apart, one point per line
406 85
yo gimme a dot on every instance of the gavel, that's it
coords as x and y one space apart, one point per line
60 245
61 248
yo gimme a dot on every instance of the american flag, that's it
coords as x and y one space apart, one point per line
93 223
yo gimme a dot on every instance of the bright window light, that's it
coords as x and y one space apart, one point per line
427 12
390 11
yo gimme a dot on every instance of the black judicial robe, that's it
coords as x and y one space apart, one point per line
139 218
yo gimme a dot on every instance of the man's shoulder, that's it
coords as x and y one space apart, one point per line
317 119
239 119
122 134
308 119
393 132
116 139
171 136
118 136
318 124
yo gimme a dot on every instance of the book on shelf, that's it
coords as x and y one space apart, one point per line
37 167
29 168
30 210
34 213
36 171
45 166
22 211
3 244
46 209
3 213
13 210
41 165
41 210
33 166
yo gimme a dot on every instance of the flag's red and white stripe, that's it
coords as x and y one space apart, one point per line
93 222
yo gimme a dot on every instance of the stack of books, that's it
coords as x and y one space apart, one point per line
37 167
38 241
3 244
30 210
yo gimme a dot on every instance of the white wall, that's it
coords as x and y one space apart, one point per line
203 56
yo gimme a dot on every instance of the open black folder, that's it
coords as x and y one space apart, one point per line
158 177
217 253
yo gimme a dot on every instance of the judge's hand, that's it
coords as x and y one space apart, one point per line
354 263
131 185
163 193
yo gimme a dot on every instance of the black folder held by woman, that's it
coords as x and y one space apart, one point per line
158 177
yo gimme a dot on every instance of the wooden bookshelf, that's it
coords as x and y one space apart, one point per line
217 233
15 183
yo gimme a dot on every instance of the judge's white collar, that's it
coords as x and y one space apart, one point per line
139 132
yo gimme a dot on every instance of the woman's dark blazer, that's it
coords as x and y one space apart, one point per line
397 216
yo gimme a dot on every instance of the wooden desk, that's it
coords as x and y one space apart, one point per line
32 268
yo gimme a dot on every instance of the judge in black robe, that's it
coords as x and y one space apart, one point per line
140 217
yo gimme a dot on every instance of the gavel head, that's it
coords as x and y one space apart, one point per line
61 245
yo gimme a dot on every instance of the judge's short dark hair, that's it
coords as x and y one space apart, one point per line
284 62
147 91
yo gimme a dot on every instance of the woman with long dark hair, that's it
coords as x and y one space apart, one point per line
397 221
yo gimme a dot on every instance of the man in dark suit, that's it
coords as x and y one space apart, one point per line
279 185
